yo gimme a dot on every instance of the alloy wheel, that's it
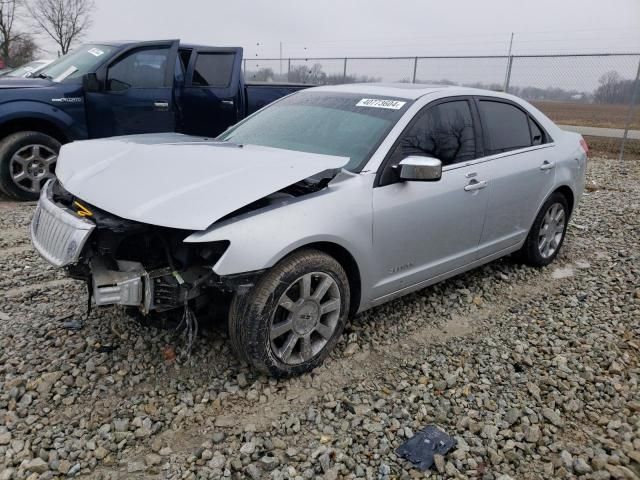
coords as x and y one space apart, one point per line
305 318
31 166
551 230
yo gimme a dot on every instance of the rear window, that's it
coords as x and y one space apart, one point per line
506 126
213 69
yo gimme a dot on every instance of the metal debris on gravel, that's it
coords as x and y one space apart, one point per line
533 372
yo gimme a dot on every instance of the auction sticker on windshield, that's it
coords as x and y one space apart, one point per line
96 52
377 103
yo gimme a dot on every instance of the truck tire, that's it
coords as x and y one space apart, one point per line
294 315
27 161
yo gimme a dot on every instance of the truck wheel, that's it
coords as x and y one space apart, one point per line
27 161
294 315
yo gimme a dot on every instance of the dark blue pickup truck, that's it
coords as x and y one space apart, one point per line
120 88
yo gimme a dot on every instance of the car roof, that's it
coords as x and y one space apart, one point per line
410 91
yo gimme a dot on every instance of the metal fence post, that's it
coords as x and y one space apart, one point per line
415 69
507 78
344 70
629 115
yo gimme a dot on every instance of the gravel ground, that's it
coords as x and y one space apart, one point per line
534 372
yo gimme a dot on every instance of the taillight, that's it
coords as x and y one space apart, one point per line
584 146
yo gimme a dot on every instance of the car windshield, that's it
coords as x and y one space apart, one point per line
77 63
26 69
330 123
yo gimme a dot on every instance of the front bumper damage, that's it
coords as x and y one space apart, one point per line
158 290
57 233
124 286
127 263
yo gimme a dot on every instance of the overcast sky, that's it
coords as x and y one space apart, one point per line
378 27
365 28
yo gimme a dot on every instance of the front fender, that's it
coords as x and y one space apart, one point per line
42 111
340 214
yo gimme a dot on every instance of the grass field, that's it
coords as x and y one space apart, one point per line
610 148
590 114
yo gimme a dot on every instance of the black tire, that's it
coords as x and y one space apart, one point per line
236 317
8 147
530 253
251 315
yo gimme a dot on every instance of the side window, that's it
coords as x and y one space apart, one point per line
444 131
143 68
506 126
537 135
213 69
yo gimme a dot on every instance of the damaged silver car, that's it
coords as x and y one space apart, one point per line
323 204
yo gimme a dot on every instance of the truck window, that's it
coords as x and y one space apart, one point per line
144 68
213 69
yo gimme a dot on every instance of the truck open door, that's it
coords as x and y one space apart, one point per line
213 97
133 92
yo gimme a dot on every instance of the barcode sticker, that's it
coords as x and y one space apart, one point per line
377 103
96 52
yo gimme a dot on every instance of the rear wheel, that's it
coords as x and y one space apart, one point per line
27 161
294 315
547 233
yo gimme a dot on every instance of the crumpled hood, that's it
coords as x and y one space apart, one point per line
179 181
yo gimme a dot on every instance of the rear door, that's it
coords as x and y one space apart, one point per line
520 168
212 99
137 94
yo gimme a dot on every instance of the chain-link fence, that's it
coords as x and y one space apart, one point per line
586 90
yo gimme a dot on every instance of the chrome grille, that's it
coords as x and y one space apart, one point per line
56 232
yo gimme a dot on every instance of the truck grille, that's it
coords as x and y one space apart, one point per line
56 232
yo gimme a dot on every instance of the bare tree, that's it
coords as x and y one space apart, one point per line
23 50
65 21
8 11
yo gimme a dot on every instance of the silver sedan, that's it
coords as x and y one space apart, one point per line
324 204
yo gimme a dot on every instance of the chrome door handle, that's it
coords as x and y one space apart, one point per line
227 102
475 185
546 165
163 105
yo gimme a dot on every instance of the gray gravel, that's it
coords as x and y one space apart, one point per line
535 373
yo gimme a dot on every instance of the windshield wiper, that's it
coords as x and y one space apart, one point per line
45 76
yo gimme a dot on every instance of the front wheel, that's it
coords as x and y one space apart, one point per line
27 161
294 315
547 233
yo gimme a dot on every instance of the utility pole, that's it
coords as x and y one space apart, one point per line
280 59
507 76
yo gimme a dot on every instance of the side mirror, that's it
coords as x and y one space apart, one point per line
90 83
420 169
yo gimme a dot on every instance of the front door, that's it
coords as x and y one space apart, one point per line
137 94
423 230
